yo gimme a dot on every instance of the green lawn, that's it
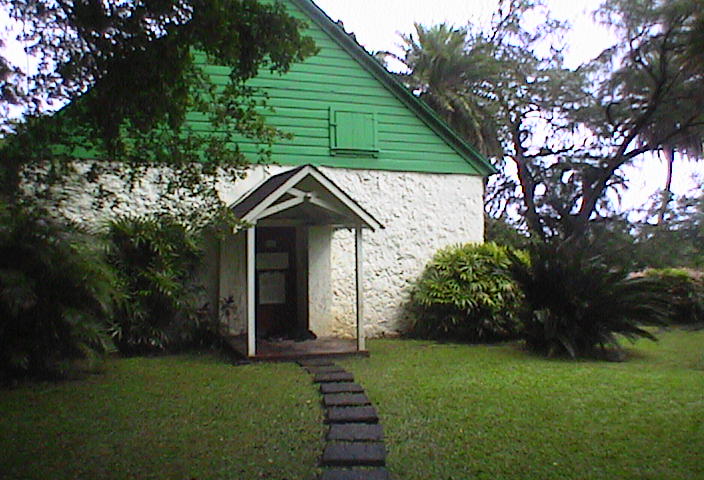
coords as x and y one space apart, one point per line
459 412
175 418
450 412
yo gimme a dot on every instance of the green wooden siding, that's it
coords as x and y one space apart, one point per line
334 81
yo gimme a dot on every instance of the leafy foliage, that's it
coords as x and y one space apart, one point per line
55 295
503 231
467 293
677 242
567 132
130 73
576 305
685 290
443 73
155 259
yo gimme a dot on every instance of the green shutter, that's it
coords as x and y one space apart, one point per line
353 133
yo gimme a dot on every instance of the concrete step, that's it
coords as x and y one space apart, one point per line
345 399
340 387
356 474
355 432
333 377
365 414
354 454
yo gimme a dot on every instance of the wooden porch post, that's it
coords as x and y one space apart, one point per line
361 344
251 279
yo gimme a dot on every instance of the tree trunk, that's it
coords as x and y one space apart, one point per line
669 154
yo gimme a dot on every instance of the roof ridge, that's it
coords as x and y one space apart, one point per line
349 42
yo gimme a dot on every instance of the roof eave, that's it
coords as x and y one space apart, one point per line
438 125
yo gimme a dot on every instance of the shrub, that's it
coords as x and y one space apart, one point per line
467 293
55 295
685 291
155 259
576 305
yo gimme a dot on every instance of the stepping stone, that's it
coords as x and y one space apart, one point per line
345 399
358 474
325 369
354 454
341 387
333 377
352 415
315 362
356 432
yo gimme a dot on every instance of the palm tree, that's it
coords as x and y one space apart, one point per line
446 72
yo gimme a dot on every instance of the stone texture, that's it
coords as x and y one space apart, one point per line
333 377
351 414
354 454
340 387
345 399
356 474
356 432
421 213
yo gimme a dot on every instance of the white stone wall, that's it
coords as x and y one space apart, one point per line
422 213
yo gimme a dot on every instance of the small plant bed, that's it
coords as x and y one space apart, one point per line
487 412
178 417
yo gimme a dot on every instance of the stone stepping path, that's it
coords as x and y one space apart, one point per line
345 399
333 377
351 432
364 414
354 448
343 387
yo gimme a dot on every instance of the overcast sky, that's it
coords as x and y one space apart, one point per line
378 22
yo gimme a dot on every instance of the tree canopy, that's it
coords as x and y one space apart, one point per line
128 74
569 132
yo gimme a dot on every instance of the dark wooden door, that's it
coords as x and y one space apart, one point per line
276 281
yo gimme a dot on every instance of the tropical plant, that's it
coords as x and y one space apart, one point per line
576 305
685 291
56 293
443 72
466 293
128 74
567 132
155 259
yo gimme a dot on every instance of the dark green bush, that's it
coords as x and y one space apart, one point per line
576 305
55 295
155 259
685 291
467 293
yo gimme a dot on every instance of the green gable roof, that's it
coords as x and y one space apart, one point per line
425 112
345 110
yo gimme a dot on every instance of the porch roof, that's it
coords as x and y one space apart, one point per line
303 195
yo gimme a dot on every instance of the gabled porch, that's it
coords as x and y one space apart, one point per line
277 269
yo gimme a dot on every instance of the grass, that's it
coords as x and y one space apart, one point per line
450 412
487 412
182 417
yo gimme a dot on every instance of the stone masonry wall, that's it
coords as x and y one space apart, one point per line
421 212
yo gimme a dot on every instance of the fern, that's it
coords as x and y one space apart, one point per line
467 293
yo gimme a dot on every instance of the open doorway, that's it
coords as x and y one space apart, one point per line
276 285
